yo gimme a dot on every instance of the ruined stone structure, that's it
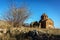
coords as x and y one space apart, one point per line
44 22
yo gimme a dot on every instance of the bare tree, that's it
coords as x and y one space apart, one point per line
16 16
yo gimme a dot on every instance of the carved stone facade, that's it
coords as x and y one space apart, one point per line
45 22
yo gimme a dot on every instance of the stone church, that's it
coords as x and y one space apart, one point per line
44 22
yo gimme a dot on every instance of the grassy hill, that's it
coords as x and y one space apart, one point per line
25 33
27 29
8 32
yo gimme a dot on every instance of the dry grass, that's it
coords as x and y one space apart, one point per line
5 25
27 29
19 30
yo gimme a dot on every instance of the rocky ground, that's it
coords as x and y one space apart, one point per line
28 34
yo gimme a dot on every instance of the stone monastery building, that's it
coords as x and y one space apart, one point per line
44 22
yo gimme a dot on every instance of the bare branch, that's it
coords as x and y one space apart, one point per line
16 16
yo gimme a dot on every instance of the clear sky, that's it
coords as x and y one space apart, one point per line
37 8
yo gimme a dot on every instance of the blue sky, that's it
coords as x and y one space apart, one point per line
37 8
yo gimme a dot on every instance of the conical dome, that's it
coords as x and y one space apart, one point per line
44 16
